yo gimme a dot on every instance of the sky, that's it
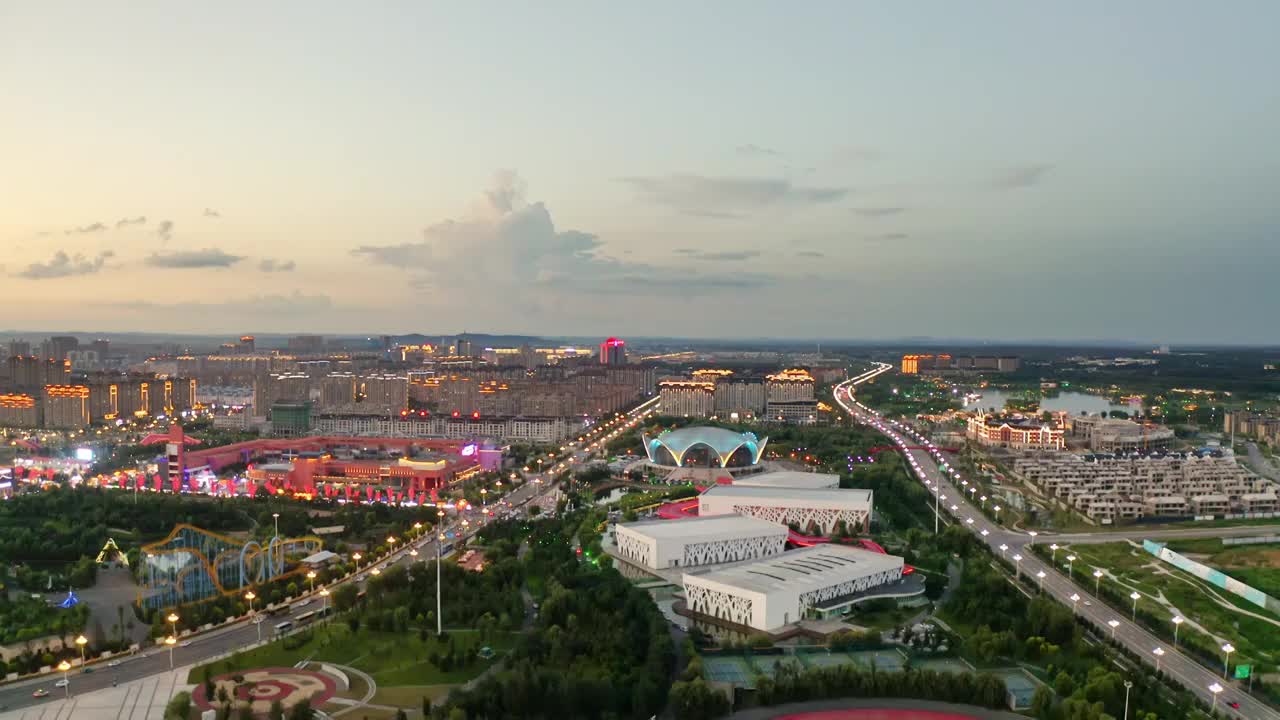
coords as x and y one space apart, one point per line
854 170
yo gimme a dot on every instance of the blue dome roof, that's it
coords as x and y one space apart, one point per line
724 443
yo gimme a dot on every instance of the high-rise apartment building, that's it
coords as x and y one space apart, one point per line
337 390
386 393
613 352
66 407
788 385
247 346
32 373
687 398
280 387
19 410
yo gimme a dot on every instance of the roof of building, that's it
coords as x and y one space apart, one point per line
800 571
701 529
320 557
719 439
791 479
799 495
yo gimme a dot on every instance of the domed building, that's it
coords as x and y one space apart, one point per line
705 446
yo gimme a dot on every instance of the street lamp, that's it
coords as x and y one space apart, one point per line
391 542
1070 559
1097 580
1003 548
65 666
82 641
1226 656
1128 684
1017 565
324 601
439 542
417 528
1135 597
311 580
375 572
1032 534
171 641
251 596
1215 689
1159 653
1075 598
413 554
1177 620
1114 624
1040 576
276 517
173 622
1054 548
356 557
985 532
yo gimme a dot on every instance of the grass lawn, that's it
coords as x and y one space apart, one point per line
1255 638
409 696
393 659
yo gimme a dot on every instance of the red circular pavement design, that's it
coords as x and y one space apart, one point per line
288 685
874 714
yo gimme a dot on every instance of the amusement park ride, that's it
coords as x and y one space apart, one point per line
193 564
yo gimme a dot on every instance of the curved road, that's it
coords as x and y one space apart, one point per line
242 633
1189 673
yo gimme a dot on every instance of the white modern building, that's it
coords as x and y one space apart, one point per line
659 544
791 479
816 581
809 509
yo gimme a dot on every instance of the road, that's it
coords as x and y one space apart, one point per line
949 499
241 634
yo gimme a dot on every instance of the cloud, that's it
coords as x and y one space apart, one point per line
888 237
726 255
729 197
126 222
64 265
753 150
190 259
272 265
165 231
1020 176
86 229
875 212
810 254
295 304
512 249
211 213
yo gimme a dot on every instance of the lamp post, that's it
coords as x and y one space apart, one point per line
1128 684
997 509
356 557
1114 624
1226 658
311 580
1017 565
1075 598
1135 597
171 641
251 596
1070 560
391 545
1040 577
1097 580
173 622
1215 689
1003 549
936 499
1177 620
375 572
1032 534
276 518
1054 548
413 554
439 542
65 666
82 641
324 602
1159 653
417 529
484 501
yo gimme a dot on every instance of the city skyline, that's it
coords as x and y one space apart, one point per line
825 171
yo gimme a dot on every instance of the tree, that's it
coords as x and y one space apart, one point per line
302 711
245 713
276 712
695 700
1042 703
179 707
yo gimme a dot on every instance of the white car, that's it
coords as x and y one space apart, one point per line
114 663
185 643
62 683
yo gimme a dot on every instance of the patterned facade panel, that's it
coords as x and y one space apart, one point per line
814 597
824 519
635 549
723 551
717 604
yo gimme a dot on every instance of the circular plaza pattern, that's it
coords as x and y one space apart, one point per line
261 687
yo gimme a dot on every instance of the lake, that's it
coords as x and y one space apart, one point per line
1070 402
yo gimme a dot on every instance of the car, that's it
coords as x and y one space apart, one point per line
86 671
39 693
1234 705
62 683
1088 603
185 643
114 663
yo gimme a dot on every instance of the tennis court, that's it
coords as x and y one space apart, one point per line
888 660
727 669
825 659
944 665
767 663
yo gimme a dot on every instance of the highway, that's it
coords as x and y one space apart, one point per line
929 467
241 634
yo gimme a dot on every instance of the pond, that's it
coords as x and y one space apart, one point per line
1070 402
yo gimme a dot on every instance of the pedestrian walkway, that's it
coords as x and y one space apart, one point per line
137 700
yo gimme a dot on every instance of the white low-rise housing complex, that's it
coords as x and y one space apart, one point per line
660 544
818 510
1115 435
767 595
1108 488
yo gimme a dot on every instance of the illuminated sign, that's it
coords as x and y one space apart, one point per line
468 450
84 454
